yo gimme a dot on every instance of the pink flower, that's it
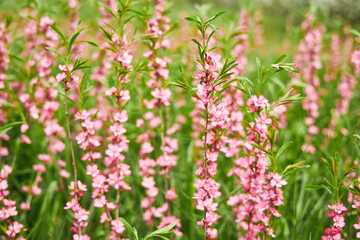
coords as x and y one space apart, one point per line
257 103
338 208
163 95
148 182
170 195
212 62
124 96
14 229
276 180
339 221
212 233
111 91
117 226
92 170
355 59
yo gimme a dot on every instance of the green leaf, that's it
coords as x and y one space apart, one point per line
329 168
353 31
259 69
328 183
347 172
215 16
62 36
161 231
57 53
108 10
192 19
129 228
282 149
73 38
258 147
197 43
293 168
16 58
92 44
280 59
106 34
314 187
8 127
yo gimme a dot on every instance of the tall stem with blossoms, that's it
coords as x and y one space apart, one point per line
158 27
119 49
210 78
70 79
262 193
335 186
308 62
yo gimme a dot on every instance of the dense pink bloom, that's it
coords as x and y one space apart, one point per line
163 95
337 215
257 103
355 59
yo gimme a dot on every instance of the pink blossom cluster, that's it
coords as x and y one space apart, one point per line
345 88
123 54
357 226
355 59
159 24
67 76
308 62
258 28
336 55
4 59
34 188
87 138
164 161
8 207
42 106
235 130
80 214
354 199
117 146
4 96
39 35
73 14
207 189
116 170
337 216
242 45
263 193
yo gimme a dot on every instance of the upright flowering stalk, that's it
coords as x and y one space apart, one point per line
334 185
354 197
70 79
234 98
77 188
156 119
112 170
8 207
308 62
355 60
211 76
242 43
4 96
4 59
338 217
117 146
346 85
262 192
258 28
